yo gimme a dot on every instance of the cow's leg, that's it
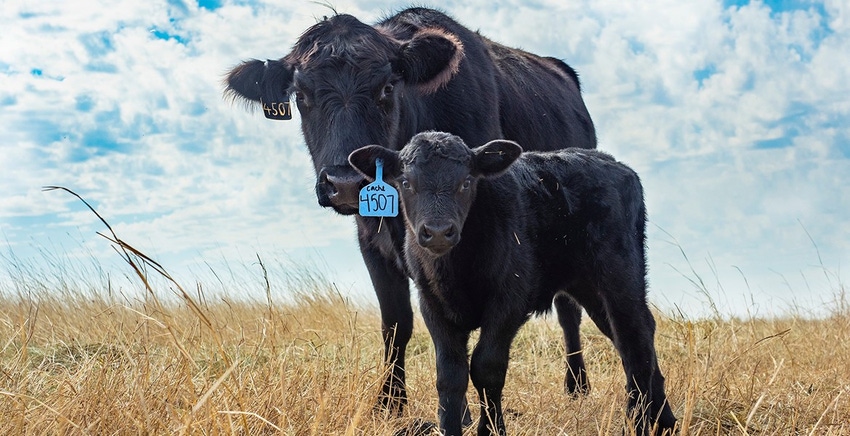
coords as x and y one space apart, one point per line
393 293
625 318
569 316
452 369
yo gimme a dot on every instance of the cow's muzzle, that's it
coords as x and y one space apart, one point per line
339 187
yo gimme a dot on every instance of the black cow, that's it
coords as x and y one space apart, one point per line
493 235
356 84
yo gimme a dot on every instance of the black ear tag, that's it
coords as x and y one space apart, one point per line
278 110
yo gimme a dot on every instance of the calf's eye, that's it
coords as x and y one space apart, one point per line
405 184
466 184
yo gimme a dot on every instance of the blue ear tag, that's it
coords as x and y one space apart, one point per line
378 198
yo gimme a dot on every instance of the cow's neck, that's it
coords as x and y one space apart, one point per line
414 118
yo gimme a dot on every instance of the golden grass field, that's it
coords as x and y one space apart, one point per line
168 361
291 354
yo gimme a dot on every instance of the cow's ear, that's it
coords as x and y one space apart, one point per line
363 160
430 59
256 80
494 157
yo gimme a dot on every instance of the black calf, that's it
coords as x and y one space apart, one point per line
493 235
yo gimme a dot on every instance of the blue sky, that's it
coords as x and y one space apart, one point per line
734 113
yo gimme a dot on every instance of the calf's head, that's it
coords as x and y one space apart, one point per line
350 81
436 176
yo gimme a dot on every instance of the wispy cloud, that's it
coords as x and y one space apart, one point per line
734 114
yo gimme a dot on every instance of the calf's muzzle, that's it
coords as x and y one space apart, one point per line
438 237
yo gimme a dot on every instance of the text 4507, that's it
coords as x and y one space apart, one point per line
378 202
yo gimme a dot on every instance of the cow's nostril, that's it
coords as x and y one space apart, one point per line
328 186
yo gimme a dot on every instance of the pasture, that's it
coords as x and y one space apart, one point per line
101 358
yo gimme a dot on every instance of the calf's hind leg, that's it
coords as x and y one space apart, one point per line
569 317
625 318
634 329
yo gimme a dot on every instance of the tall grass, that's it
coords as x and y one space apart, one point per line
89 357
91 363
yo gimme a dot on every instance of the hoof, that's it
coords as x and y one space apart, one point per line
467 415
576 386
419 427
391 406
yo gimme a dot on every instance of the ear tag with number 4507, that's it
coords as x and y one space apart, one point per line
378 198
276 110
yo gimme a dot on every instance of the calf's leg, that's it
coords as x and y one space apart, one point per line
569 317
634 330
488 367
625 318
452 369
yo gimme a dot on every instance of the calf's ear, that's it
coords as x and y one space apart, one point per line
363 160
255 80
494 157
430 59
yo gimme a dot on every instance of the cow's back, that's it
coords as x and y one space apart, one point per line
500 92
540 101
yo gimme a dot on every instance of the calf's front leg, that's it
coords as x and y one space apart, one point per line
452 370
489 367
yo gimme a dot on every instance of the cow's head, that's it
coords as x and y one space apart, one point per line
351 82
436 176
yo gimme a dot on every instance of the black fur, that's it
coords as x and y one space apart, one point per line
418 70
504 233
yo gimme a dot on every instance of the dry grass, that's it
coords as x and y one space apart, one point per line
78 356
78 362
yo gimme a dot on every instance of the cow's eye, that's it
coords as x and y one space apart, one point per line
405 184
466 184
301 99
387 92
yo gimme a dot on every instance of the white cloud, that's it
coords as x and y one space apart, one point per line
734 118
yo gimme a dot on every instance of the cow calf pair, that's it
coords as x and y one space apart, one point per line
494 234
